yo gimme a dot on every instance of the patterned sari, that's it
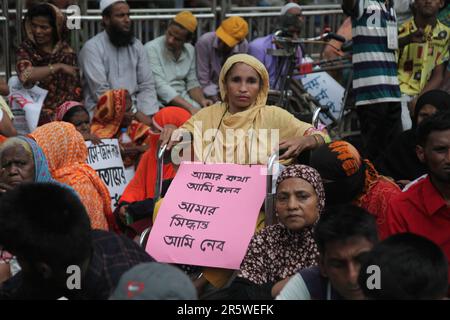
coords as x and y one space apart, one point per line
108 117
61 87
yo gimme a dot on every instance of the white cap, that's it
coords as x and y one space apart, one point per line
106 3
287 7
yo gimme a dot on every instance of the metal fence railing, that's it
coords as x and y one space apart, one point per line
151 23
263 23
146 27
5 56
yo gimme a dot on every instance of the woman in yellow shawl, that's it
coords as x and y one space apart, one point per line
244 86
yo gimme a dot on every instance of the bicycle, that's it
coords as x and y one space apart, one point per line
293 96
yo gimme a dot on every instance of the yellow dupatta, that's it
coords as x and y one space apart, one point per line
212 145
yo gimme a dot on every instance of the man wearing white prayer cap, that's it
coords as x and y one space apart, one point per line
115 59
294 9
106 3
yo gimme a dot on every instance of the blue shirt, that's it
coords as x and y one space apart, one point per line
258 49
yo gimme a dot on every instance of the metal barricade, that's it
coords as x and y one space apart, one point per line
146 27
269 203
316 21
144 237
151 23
4 45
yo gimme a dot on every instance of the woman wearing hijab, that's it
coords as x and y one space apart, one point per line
280 250
21 161
45 57
347 178
32 158
400 160
244 86
75 113
67 153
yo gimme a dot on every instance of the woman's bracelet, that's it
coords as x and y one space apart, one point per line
52 70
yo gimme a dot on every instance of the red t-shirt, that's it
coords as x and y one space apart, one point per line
423 211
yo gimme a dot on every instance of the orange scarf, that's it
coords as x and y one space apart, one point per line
66 153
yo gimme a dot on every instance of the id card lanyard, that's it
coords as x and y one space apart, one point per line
391 26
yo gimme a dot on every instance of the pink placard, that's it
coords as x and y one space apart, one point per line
208 215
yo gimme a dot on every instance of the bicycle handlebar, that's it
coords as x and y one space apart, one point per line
322 37
331 35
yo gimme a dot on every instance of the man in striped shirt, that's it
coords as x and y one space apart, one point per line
375 83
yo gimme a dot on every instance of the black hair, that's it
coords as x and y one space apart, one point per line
44 10
340 187
190 35
437 98
69 114
410 267
439 121
45 222
342 222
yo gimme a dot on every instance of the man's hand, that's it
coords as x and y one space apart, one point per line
416 37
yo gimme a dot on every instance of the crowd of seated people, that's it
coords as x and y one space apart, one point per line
338 211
